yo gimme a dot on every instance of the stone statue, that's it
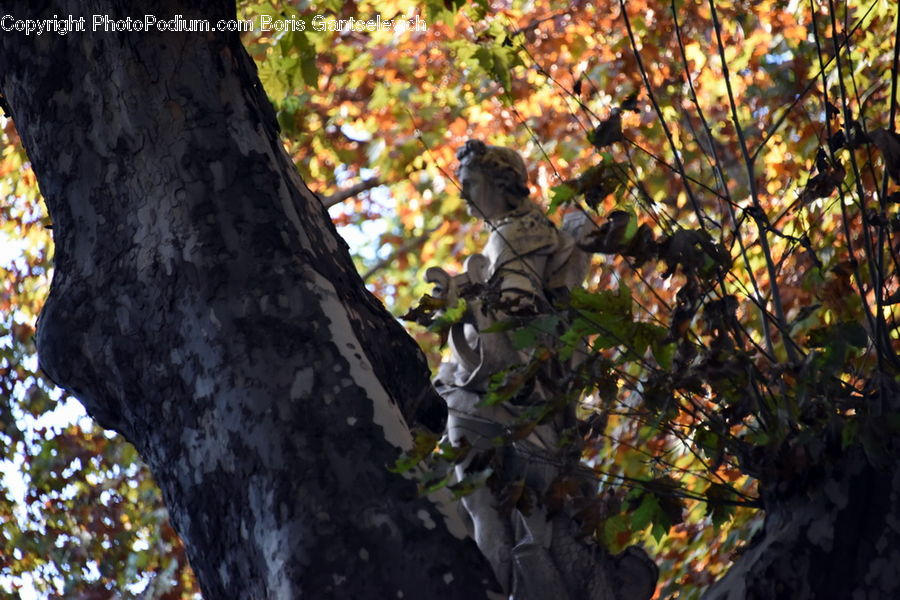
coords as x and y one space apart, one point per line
526 264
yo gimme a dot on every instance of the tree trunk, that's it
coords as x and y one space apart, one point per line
831 533
203 306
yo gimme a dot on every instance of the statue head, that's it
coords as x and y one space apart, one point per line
494 179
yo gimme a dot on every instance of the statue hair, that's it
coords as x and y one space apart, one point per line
504 165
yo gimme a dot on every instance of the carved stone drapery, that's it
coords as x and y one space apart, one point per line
526 263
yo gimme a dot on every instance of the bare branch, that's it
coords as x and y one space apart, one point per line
341 195
405 247
758 214
679 166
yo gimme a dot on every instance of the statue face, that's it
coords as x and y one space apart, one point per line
485 199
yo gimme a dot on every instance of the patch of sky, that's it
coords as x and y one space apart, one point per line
12 250
15 482
361 236
779 58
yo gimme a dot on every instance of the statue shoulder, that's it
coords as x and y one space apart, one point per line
521 233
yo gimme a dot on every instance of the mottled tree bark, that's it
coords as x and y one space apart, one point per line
831 533
203 306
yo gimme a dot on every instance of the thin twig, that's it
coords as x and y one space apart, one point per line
538 22
408 245
662 120
729 203
894 67
883 345
809 86
759 213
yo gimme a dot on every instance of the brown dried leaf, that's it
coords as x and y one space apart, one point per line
608 131
888 143
608 238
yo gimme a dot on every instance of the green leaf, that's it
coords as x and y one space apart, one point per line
664 353
424 443
450 316
453 454
527 337
501 70
708 440
432 482
381 97
667 490
273 80
660 506
632 227
659 530
560 194
616 302
850 333
506 384
646 513
718 507
442 10
470 483
478 9
616 532
308 68
849 433
501 326
485 59
644 335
